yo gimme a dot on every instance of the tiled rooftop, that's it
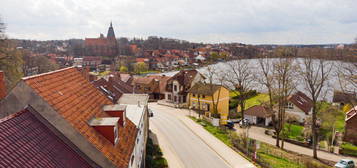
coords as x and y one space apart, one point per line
78 101
27 142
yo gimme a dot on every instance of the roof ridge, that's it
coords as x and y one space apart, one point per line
11 116
47 73
351 116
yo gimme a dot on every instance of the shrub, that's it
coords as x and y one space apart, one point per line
348 149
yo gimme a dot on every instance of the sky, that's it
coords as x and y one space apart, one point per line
207 21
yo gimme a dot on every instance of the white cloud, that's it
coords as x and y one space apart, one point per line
247 21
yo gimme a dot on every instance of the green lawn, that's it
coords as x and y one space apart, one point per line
256 100
295 131
216 131
278 162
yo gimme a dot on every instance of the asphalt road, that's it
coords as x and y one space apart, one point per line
185 148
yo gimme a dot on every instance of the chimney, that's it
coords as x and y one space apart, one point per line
107 126
2 85
116 111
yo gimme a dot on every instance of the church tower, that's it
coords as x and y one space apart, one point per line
111 34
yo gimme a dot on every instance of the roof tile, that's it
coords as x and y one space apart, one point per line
77 101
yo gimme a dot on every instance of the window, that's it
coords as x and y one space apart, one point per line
169 96
147 88
132 160
289 105
175 88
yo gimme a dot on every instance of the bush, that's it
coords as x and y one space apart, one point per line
154 157
348 149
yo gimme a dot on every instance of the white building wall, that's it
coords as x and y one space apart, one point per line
298 113
139 146
251 119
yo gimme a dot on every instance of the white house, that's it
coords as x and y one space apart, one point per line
258 115
299 106
137 112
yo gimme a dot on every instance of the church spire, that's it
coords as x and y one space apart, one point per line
111 31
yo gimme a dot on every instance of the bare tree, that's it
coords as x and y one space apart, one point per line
348 80
347 76
266 70
241 77
215 79
278 78
283 75
314 74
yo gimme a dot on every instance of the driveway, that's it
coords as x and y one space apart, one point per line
258 134
186 144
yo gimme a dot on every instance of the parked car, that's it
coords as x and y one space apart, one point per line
345 163
244 123
235 120
230 124
151 113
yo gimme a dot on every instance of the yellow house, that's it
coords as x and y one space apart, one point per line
204 96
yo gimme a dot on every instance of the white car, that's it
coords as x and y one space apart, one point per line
345 163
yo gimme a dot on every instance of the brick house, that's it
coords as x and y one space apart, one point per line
102 46
90 122
351 126
147 85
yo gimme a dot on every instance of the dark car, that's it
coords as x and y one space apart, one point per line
151 113
230 124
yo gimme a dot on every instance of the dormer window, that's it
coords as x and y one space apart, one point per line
107 127
116 110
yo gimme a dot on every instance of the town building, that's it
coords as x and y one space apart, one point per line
203 97
178 85
137 111
351 126
299 106
147 85
102 46
87 120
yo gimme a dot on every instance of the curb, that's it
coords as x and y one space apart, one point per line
212 147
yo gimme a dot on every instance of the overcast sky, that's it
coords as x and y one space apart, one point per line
246 21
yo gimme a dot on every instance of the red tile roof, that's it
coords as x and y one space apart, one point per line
143 80
96 41
163 82
27 142
77 101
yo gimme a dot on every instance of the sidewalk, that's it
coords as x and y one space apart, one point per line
258 134
226 153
